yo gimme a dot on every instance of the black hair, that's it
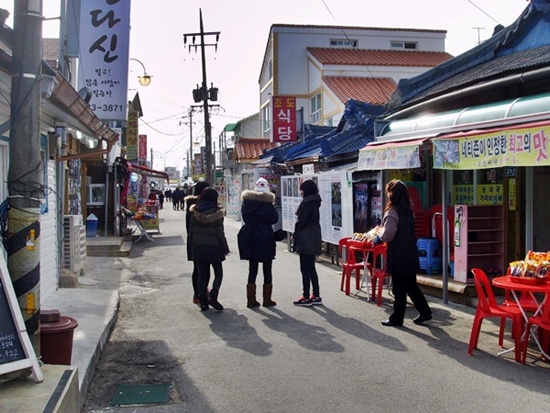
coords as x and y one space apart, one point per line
308 187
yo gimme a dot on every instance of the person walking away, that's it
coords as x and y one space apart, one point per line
168 195
256 240
161 199
402 260
308 242
209 245
191 200
177 197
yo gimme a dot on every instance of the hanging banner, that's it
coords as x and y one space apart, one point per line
527 146
284 119
132 137
394 155
104 41
142 149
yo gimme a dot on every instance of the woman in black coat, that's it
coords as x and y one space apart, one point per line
257 241
191 200
208 245
308 242
398 232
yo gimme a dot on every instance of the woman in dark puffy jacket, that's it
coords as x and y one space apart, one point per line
189 201
257 241
208 245
308 242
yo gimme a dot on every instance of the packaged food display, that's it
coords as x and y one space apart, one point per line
534 268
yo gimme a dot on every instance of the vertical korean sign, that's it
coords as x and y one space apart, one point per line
284 119
132 137
104 55
142 150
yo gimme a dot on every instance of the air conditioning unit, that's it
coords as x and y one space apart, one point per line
74 242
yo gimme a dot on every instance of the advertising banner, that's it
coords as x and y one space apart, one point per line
390 156
527 146
142 149
104 54
336 206
132 137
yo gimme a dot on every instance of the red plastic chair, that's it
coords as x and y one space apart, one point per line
541 320
378 274
487 307
349 264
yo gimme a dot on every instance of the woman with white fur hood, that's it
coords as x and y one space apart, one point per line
256 239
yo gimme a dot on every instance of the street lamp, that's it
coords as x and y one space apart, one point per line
144 80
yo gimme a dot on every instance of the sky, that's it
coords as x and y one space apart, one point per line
156 39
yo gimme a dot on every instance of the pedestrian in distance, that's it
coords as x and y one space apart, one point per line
308 242
168 195
402 260
191 200
152 195
208 245
256 240
177 198
161 199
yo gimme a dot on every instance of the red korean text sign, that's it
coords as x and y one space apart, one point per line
284 119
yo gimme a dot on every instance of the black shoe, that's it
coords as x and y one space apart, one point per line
421 318
204 307
389 323
215 305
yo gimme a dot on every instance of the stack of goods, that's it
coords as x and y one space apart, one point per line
535 268
367 236
141 215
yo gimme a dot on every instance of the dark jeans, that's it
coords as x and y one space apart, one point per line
195 279
253 271
203 268
309 274
403 285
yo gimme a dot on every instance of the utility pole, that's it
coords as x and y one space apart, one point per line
24 174
203 94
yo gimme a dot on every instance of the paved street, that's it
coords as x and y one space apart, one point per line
335 357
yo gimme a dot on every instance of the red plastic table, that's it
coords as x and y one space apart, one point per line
507 282
377 274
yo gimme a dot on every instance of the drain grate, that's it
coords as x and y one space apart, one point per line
131 394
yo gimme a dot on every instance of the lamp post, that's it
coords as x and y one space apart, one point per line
144 80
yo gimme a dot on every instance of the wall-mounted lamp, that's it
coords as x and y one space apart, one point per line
144 80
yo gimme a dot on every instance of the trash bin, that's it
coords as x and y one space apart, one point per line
91 226
56 337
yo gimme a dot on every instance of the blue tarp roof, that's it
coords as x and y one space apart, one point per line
353 133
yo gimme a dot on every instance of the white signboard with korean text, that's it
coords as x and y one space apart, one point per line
104 55
336 203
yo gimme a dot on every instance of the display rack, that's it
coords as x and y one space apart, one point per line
478 240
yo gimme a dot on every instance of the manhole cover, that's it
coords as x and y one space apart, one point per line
132 394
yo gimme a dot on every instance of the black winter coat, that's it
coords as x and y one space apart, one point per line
307 230
208 242
190 200
255 239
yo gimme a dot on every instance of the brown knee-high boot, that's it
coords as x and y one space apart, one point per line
268 302
251 296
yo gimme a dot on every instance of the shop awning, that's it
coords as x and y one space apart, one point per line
390 155
143 170
520 145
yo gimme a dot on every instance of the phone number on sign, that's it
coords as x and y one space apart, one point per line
107 108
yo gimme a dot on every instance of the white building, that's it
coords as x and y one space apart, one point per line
324 66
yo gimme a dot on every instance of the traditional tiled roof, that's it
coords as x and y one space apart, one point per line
247 150
369 57
374 90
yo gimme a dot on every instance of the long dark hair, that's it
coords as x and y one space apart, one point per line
398 197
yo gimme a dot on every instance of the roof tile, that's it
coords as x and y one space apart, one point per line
251 149
368 57
374 90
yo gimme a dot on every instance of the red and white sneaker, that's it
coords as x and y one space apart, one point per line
316 300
